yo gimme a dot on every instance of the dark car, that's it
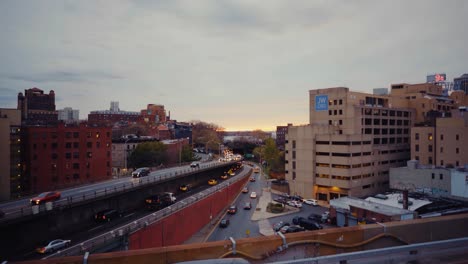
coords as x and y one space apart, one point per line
294 229
297 198
279 225
232 209
158 201
195 165
296 219
45 197
247 205
308 224
141 172
224 223
315 217
106 215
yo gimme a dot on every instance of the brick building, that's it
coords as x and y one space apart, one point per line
37 108
66 155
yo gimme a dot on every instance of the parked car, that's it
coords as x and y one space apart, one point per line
325 216
315 217
284 229
308 224
247 205
294 229
106 215
295 204
195 164
252 179
212 182
280 200
245 190
45 197
253 195
297 198
232 209
141 172
296 219
279 225
311 202
224 223
53 246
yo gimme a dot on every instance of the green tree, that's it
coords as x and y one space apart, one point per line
187 154
148 154
206 135
270 154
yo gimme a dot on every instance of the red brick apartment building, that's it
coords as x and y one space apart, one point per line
66 155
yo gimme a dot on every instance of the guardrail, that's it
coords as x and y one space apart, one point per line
120 232
99 193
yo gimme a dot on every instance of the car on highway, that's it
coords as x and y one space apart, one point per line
232 209
252 179
310 202
224 177
45 197
253 195
141 172
159 201
53 246
245 190
247 205
106 215
279 225
256 169
185 187
212 182
195 164
224 223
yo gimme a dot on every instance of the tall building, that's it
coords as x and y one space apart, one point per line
37 108
281 136
66 155
181 130
349 145
11 174
67 114
154 114
461 83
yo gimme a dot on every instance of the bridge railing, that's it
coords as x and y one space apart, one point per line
107 191
121 232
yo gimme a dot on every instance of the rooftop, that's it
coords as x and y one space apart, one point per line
346 202
392 200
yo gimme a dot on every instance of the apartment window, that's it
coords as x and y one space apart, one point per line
76 145
294 144
54 145
340 111
433 175
329 122
330 112
457 137
341 101
108 134
89 154
89 144
68 145
68 134
441 162
294 165
441 137
68 155
76 135
335 112
294 154
98 134
98 144
429 136
416 136
76 166
416 157
89 135
54 155
334 102
441 176
457 151
457 163
76 176
294 175
441 149
429 148
429 160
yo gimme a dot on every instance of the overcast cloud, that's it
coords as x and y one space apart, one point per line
239 64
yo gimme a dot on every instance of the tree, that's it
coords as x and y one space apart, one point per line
206 135
270 154
187 154
148 154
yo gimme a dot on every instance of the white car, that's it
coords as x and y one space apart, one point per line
310 202
295 204
253 195
54 245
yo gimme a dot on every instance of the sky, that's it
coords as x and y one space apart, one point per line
242 65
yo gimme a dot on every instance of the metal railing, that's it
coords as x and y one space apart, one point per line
107 191
122 231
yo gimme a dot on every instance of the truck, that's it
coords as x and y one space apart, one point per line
159 201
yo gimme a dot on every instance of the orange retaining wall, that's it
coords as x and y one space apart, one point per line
180 226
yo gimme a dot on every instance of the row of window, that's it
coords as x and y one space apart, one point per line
430 137
344 178
442 163
386 131
69 145
335 154
335 112
54 135
342 166
429 149
384 112
384 141
68 155
346 143
384 122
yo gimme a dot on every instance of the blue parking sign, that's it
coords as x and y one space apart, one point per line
321 102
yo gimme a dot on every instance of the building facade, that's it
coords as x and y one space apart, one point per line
352 141
37 108
114 115
442 144
461 83
66 155
11 174
154 114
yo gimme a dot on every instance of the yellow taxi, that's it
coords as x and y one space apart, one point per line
224 176
212 182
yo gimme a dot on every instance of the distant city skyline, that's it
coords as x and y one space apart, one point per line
242 65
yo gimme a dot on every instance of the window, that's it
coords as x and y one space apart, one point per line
429 160
441 149
89 144
98 144
76 155
294 165
76 145
340 111
457 150
416 136
330 112
341 101
68 135
457 137
433 175
429 148
76 166
441 176
441 162
54 145
335 112
294 154
68 155
76 135
429 136
98 134
294 175
329 122
416 157
294 144
68 145
441 137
